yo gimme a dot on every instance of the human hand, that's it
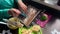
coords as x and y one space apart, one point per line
14 12
23 6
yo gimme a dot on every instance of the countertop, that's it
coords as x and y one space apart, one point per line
49 5
53 26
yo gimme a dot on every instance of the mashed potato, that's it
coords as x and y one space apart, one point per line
36 28
24 31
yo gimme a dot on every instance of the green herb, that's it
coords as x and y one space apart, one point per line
43 18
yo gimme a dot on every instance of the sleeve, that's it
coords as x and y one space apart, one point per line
4 13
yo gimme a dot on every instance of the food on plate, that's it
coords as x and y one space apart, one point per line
14 19
12 26
29 31
25 31
36 28
14 23
19 25
32 30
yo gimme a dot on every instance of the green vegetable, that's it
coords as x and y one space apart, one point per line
35 32
43 18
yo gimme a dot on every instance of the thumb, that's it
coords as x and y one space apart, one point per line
14 12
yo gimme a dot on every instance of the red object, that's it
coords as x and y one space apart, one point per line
43 23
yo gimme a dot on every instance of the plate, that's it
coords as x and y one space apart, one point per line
20 30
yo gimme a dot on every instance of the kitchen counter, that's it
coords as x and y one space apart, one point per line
53 26
54 6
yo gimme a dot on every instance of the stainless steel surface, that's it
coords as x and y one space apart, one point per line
56 7
52 2
53 27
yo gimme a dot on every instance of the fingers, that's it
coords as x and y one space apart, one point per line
14 12
25 9
22 5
